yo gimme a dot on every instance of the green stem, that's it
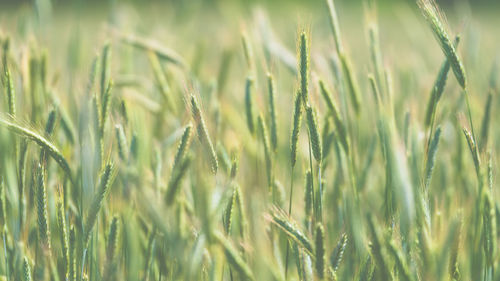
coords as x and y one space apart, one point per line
83 262
431 129
352 177
289 214
312 175
470 119
320 194
5 254
291 193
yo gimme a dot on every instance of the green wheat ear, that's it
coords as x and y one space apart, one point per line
26 270
312 124
431 158
203 136
229 211
327 138
122 142
366 272
249 87
247 50
334 24
112 242
432 15
162 52
66 123
105 68
106 103
338 252
319 247
400 261
94 68
234 167
161 80
11 95
71 272
267 149
290 228
174 183
41 141
337 119
296 122
453 266
5 53
49 129
489 229
42 210
377 250
223 157
111 247
352 83
485 124
272 111
438 89
124 112
51 122
240 202
183 145
61 222
473 149
304 67
149 254
233 257
96 205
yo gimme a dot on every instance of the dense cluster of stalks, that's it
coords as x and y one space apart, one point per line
264 166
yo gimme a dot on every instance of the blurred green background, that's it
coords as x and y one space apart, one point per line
243 1
83 26
222 2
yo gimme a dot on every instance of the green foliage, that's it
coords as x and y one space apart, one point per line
100 178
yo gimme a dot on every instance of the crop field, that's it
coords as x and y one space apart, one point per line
249 140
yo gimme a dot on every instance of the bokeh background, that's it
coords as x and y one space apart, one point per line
205 31
70 28
63 2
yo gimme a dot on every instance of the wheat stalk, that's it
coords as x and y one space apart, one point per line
291 230
433 17
41 141
234 258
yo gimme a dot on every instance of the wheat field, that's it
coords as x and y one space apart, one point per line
241 140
